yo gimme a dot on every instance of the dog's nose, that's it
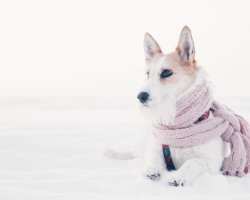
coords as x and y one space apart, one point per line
143 96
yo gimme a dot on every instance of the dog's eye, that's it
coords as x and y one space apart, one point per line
166 73
147 73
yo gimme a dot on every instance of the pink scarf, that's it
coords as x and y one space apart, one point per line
225 123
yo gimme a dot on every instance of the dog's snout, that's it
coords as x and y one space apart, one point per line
143 96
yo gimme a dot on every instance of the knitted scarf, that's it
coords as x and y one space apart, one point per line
225 123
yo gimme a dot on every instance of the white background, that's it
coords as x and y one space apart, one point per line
94 48
69 75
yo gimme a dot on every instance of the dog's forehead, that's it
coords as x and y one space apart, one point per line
160 63
164 61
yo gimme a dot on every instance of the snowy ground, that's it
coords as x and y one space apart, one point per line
50 149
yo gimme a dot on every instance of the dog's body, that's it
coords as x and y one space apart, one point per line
188 161
170 77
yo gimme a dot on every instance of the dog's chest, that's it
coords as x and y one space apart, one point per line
214 150
180 155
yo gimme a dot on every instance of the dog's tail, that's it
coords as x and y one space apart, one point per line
111 153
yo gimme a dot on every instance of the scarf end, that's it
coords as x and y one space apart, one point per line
237 173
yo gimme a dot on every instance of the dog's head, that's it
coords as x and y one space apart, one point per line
168 77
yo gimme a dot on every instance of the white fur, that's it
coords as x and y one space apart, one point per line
160 99
160 107
189 161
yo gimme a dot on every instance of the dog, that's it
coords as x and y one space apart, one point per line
170 77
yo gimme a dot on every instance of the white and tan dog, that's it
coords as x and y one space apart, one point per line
169 77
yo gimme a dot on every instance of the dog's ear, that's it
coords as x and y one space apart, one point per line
185 46
151 47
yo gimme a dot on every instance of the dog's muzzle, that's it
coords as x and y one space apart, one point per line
143 97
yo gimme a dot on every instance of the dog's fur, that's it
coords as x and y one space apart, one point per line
160 107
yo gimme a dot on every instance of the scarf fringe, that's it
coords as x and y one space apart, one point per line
238 162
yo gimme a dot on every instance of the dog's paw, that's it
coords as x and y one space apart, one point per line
176 179
151 173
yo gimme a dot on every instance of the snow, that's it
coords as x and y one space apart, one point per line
51 148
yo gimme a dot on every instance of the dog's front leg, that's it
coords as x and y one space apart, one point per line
154 160
188 171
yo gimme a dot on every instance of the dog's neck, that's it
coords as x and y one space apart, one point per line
201 74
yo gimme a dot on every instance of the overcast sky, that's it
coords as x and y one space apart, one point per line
94 48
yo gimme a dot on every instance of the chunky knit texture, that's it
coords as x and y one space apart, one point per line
225 123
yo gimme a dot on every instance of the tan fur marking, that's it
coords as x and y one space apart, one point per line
174 63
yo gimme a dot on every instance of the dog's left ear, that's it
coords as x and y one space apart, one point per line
151 47
185 46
